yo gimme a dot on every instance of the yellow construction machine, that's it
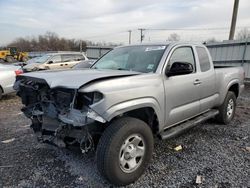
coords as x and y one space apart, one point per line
12 54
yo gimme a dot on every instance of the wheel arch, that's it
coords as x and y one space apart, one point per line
235 89
233 86
146 109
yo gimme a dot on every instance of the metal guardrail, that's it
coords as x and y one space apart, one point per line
231 53
95 52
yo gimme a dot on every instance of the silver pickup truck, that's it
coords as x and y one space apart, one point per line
130 96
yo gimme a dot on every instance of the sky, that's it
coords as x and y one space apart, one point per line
110 20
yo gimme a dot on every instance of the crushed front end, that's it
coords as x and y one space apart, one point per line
60 116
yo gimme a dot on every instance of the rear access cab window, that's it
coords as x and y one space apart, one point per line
203 59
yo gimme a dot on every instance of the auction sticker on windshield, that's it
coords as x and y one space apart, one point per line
152 48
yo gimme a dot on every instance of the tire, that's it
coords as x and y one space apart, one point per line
116 143
10 59
225 116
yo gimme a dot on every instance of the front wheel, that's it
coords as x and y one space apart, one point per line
227 109
124 150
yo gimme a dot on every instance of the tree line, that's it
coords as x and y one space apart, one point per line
50 41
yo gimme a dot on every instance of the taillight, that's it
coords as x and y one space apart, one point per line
18 72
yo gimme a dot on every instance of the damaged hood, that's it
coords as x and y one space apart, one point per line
74 79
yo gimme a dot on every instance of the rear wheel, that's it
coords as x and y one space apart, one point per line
227 109
124 150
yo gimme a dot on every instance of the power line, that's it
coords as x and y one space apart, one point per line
167 29
142 30
191 29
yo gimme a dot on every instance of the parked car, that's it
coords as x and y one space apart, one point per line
30 61
84 64
55 61
7 78
129 96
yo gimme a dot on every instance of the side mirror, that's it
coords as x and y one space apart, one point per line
180 68
50 62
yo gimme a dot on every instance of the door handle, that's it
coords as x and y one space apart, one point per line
197 82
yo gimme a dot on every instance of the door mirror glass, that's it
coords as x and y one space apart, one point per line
180 68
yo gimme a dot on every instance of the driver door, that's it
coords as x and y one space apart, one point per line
182 91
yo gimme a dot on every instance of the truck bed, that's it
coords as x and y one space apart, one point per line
225 76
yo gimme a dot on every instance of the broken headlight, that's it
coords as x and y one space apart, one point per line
62 98
87 99
93 115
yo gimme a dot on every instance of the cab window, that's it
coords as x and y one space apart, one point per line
203 59
183 55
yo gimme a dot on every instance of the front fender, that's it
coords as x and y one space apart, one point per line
127 106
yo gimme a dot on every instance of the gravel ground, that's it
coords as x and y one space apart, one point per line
215 152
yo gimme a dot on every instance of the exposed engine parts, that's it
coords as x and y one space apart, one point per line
87 143
60 116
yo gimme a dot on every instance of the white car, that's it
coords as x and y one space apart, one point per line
62 60
7 78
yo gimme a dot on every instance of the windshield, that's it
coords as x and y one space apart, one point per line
42 59
143 59
32 60
84 64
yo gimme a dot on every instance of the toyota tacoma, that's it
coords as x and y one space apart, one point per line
127 98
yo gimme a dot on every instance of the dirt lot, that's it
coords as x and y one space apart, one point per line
215 152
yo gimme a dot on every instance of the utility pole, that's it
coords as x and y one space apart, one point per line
142 35
234 18
129 36
80 45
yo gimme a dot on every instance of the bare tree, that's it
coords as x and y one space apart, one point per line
52 42
48 42
243 34
174 37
